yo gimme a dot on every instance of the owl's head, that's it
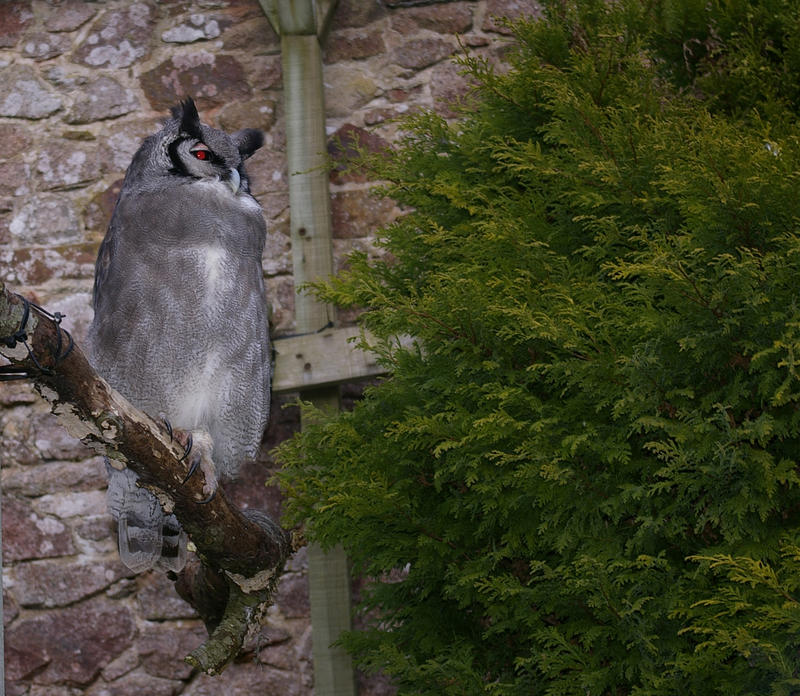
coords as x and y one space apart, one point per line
190 150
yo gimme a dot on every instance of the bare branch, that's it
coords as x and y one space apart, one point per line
240 556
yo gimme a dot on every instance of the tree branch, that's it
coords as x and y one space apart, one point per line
240 557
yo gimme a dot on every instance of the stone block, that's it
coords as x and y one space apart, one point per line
28 534
46 218
291 597
280 655
54 442
443 18
16 438
14 138
119 38
58 583
72 504
162 647
55 477
211 79
248 491
101 99
342 250
353 44
67 165
420 53
57 690
14 180
76 306
253 35
358 213
43 46
96 527
195 27
15 18
357 13
158 600
23 94
510 9
120 144
10 608
265 72
247 679
277 257
344 145
280 295
448 88
137 683
347 89
69 15
123 664
33 266
258 113
71 645
100 208
268 173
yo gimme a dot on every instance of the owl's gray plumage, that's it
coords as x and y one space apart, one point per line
180 325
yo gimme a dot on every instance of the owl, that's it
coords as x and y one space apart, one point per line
180 316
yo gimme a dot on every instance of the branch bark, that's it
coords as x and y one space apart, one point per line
239 557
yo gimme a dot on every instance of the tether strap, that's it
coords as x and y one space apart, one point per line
12 372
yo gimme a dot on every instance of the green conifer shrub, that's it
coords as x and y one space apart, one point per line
582 478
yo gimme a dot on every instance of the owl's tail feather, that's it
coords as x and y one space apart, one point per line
147 537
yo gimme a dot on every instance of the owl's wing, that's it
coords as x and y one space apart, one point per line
104 256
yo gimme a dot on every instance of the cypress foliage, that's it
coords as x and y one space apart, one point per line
583 476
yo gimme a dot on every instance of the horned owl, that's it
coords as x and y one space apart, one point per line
180 318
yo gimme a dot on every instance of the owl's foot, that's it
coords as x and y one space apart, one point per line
187 447
194 466
181 436
201 446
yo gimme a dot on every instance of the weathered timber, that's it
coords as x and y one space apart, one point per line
321 359
300 24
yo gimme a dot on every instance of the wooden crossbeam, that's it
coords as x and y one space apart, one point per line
321 359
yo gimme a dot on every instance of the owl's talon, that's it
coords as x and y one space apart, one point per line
186 451
168 426
192 468
209 499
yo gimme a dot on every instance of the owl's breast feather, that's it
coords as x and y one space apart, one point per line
220 192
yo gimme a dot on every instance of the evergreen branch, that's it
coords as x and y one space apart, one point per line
699 298
446 327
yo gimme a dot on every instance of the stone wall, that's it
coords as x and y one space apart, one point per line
81 83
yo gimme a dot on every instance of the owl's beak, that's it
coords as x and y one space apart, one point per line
233 181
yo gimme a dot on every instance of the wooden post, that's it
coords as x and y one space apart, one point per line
300 24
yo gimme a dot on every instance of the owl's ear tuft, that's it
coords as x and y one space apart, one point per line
186 113
248 140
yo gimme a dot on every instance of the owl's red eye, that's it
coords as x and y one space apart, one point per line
201 152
